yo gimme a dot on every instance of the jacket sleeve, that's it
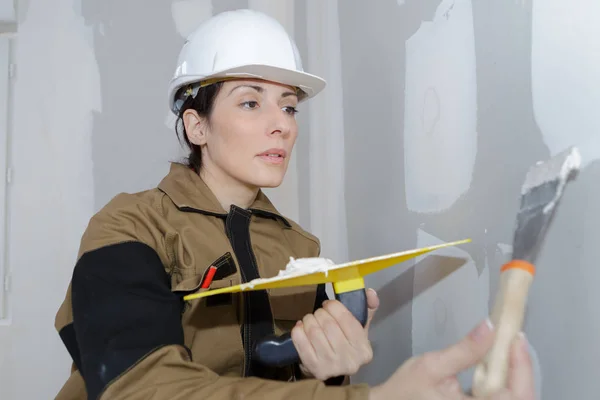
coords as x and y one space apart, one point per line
127 322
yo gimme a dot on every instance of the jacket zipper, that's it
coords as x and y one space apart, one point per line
246 318
247 328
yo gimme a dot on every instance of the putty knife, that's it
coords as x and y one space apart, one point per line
540 194
348 286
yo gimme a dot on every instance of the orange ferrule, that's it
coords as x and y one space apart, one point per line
519 264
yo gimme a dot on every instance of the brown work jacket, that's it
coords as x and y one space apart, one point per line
131 335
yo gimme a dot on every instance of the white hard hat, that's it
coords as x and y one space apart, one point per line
240 44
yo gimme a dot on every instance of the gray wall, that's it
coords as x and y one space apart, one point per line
562 324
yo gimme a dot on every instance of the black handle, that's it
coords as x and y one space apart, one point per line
279 351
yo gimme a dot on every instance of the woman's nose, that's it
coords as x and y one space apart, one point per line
281 124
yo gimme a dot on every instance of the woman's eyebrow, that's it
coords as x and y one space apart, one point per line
287 94
260 89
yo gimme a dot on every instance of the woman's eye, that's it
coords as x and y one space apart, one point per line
250 104
290 110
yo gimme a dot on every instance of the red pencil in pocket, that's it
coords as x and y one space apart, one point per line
209 277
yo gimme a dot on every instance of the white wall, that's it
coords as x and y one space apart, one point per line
5 85
51 196
68 160
7 11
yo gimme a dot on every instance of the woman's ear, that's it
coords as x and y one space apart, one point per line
195 127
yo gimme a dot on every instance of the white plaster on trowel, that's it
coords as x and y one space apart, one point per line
565 79
56 91
448 309
307 265
296 267
440 138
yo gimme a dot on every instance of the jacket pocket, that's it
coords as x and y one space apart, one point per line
223 298
225 275
211 324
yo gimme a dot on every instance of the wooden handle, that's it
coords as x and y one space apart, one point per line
507 316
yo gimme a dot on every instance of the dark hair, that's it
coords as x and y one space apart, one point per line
203 104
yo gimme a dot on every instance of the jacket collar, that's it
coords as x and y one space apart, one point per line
189 193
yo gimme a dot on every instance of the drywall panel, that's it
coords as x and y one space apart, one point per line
450 298
327 132
7 10
440 115
565 60
4 112
56 92
565 55
188 14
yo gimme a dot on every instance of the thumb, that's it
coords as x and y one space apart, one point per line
466 353
521 379
373 305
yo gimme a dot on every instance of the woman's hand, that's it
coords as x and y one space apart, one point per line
331 342
432 376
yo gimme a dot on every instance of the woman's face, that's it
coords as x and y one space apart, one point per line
251 133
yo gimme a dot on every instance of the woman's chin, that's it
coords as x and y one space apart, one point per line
266 178
270 184
267 181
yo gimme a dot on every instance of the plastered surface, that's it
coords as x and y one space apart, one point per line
57 91
565 54
449 298
440 138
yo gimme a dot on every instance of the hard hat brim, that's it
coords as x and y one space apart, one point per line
308 83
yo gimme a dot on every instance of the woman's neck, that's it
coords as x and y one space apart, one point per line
228 190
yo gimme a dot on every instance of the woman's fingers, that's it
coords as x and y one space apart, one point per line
433 375
357 341
520 380
349 325
462 355
331 342
317 337
373 305
332 332
306 351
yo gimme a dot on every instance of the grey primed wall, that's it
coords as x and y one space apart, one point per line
131 143
563 322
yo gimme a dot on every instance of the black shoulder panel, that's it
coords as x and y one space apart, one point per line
123 309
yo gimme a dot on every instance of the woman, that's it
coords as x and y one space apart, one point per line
235 91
